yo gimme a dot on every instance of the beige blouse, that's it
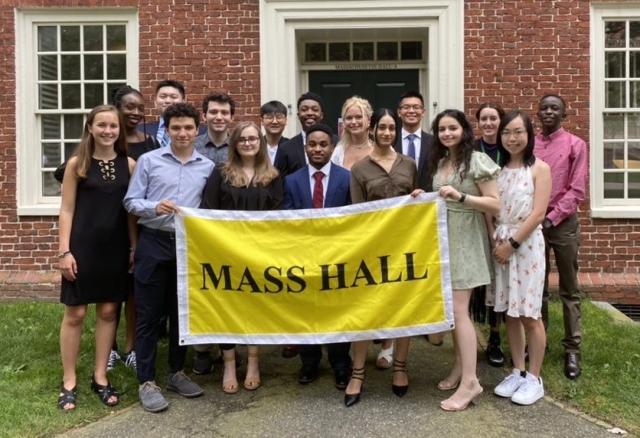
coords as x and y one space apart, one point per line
370 182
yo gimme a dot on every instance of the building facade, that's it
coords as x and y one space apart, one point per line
62 57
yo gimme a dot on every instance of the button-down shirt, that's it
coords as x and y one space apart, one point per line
417 142
160 175
566 154
216 153
326 170
273 150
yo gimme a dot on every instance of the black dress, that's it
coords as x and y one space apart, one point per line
220 195
134 150
99 238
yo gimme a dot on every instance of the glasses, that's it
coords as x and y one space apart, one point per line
271 117
251 139
411 107
517 133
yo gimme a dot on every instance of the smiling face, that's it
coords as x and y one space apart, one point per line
551 111
514 137
218 117
132 108
105 128
319 148
354 121
309 113
274 123
167 96
489 121
449 132
410 111
248 144
385 132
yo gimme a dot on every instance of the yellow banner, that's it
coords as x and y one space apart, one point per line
373 270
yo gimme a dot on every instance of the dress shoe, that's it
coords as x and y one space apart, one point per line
289 351
352 399
308 375
399 367
495 357
572 368
342 379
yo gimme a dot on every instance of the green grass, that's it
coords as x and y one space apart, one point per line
609 387
30 371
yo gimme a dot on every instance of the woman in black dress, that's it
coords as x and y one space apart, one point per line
94 246
246 181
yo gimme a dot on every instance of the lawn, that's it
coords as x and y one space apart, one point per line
30 371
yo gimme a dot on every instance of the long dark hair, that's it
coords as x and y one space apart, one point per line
528 158
465 148
375 119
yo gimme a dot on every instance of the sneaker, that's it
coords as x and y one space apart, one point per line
495 357
114 357
151 398
130 360
203 363
183 385
510 384
529 392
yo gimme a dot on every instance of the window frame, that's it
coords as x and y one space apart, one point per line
600 206
30 201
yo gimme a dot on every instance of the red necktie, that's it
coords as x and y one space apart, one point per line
318 196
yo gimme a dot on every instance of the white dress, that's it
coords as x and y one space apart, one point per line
519 282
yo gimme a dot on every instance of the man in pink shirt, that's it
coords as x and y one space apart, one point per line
566 154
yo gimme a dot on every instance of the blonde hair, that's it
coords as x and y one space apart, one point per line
87 146
232 168
365 107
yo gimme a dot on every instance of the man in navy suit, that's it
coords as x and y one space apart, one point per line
411 139
320 184
291 155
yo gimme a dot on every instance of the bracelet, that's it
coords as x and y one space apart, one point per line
514 243
63 254
463 196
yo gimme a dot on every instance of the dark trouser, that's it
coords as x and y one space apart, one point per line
155 294
338 356
564 240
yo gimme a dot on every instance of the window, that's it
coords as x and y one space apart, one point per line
67 63
615 151
316 52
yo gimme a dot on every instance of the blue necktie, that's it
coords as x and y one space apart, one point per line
411 150
161 136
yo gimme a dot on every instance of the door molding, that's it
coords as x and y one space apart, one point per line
282 21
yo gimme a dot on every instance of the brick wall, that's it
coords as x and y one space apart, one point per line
514 52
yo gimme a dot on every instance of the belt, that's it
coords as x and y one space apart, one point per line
166 234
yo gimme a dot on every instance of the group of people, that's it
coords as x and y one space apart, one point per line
511 196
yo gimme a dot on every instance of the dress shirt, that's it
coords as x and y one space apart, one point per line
162 136
273 150
566 154
160 175
326 169
416 141
216 153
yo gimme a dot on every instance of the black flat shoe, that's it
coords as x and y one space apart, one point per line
399 367
495 356
307 375
572 368
352 399
342 379
105 392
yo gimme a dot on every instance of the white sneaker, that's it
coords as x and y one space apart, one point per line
530 391
510 384
113 358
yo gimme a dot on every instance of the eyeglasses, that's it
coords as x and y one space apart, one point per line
252 139
271 117
411 107
517 133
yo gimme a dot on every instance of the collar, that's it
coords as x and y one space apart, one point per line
195 156
326 169
554 135
417 133
211 144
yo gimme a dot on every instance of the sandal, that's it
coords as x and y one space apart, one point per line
105 392
230 386
352 399
385 358
67 397
252 383
399 366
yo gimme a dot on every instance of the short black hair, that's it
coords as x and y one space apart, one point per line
528 158
321 127
181 110
410 93
557 96
273 106
309 95
220 98
119 93
171 83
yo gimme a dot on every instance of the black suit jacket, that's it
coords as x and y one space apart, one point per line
425 181
290 156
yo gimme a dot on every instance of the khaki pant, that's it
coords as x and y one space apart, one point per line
564 240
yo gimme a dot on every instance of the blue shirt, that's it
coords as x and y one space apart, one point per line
159 175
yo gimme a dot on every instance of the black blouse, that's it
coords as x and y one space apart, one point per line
220 195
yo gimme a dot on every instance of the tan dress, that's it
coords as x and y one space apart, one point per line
370 182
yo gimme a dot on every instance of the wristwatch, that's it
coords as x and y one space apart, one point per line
514 243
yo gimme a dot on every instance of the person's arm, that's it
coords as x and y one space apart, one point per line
542 191
135 201
357 189
568 204
287 202
489 223
487 202
277 193
211 192
68 264
132 224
